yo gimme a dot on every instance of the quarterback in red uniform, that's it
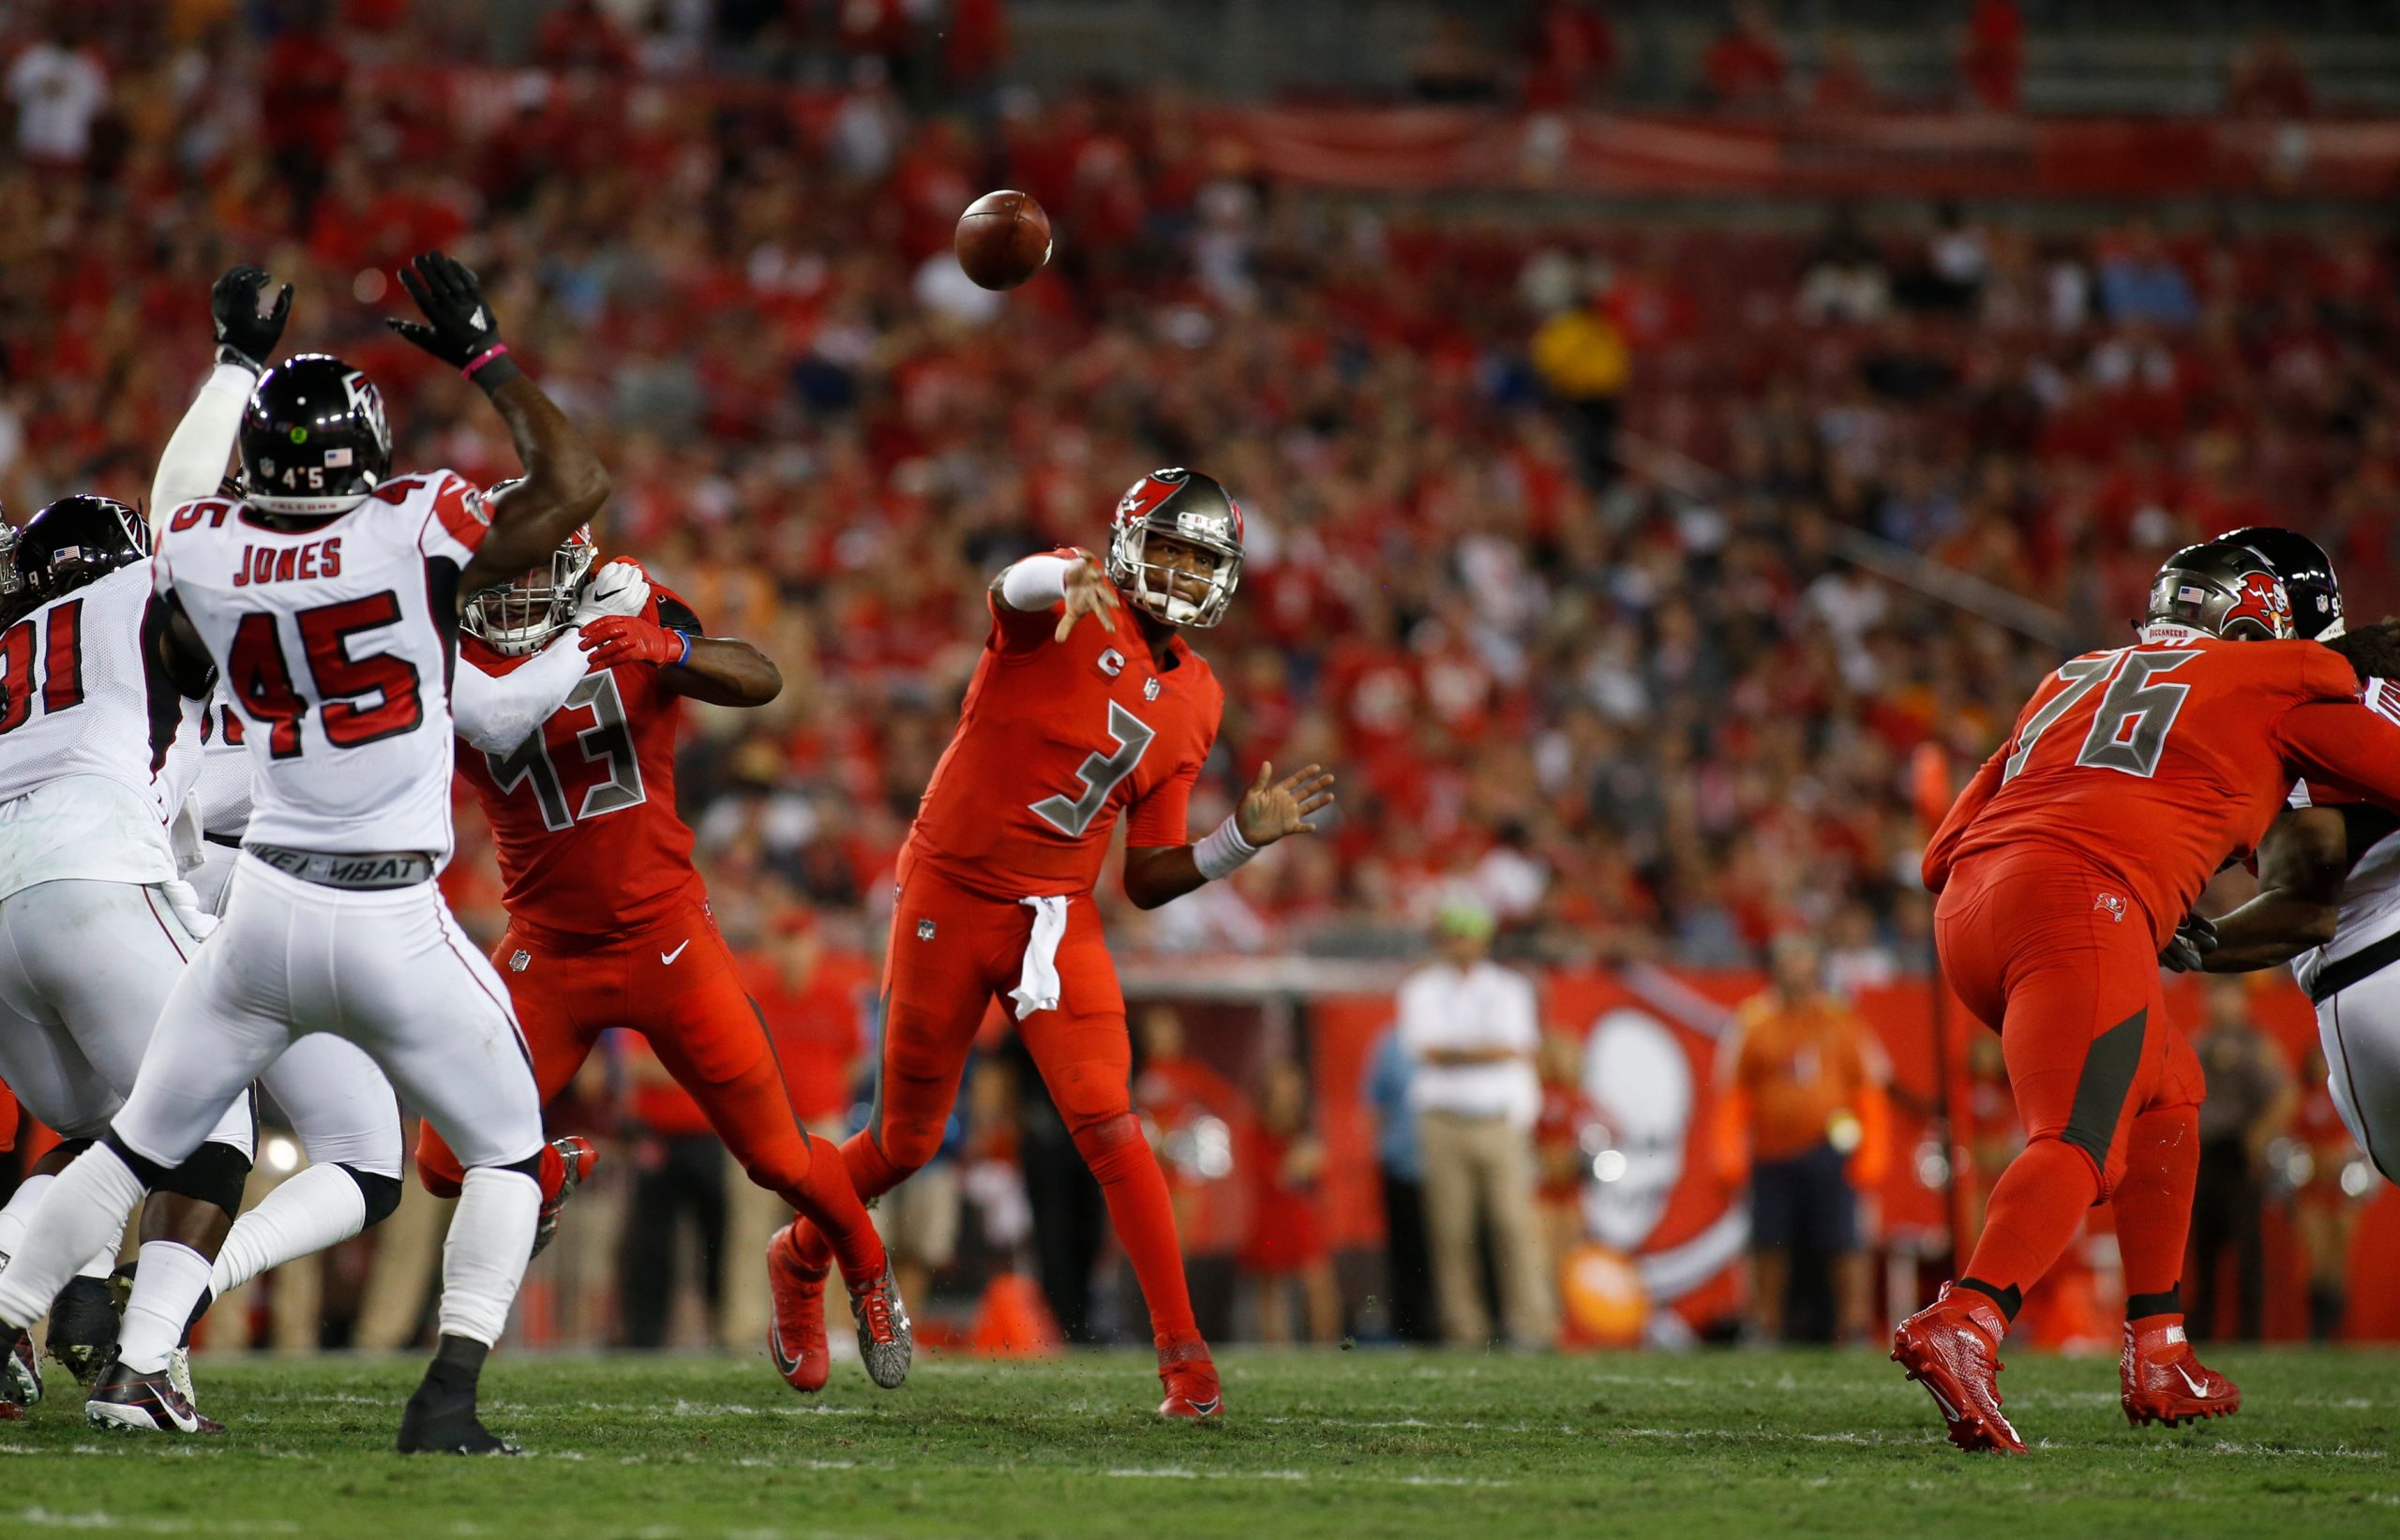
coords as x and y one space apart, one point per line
1086 704
2064 868
608 922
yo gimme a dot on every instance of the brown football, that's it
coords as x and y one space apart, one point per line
1003 239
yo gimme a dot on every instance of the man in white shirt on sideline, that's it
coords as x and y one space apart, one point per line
1470 1027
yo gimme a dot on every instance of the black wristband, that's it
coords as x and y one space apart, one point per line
496 373
228 353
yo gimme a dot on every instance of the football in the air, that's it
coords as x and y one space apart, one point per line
1003 239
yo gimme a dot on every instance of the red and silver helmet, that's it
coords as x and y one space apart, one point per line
1186 506
518 616
2220 589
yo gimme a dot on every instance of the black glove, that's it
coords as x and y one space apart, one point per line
2194 940
459 327
244 335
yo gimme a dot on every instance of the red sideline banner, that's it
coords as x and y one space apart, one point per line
1649 1039
1481 149
1445 149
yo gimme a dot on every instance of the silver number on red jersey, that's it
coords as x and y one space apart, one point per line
1099 773
608 740
2130 727
2084 674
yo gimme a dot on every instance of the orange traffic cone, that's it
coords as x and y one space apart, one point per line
1014 1321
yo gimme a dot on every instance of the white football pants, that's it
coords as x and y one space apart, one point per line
85 968
2359 1031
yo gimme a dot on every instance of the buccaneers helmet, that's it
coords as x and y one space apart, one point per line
2307 573
75 540
1186 506
2220 589
518 616
314 438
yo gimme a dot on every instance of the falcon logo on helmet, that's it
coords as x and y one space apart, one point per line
1194 510
2218 589
519 615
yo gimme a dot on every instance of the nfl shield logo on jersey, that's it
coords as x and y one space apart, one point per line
1149 689
520 962
924 929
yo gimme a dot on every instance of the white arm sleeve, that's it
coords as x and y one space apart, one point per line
495 712
195 458
1035 584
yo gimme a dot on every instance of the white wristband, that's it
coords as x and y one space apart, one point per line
1035 583
1223 851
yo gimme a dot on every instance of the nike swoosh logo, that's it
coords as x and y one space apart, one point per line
784 1363
668 957
2189 1383
1208 1407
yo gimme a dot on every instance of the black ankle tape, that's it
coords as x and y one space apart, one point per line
2010 1299
380 1194
2168 1301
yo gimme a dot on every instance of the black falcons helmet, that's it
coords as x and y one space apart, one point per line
2307 573
76 539
314 438
2220 589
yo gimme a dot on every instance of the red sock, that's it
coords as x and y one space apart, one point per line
1143 1216
829 1210
2036 1206
553 1173
2153 1206
867 1173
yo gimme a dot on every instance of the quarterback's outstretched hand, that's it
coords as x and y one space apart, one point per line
246 332
1272 809
2194 940
613 639
458 328
617 589
1088 592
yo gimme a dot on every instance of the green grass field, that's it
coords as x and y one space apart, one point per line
1365 1443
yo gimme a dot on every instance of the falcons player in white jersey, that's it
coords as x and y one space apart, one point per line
2329 883
337 1101
98 929
328 597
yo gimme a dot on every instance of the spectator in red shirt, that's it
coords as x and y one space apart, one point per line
1744 67
1280 1159
302 87
1571 55
812 1013
578 34
2265 79
1992 62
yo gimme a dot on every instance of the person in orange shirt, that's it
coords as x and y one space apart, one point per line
1803 1117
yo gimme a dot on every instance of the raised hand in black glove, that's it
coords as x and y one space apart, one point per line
458 328
246 335
2194 940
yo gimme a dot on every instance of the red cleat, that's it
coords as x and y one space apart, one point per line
1191 1390
1953 1351
577 1158
2164 1381
796 1332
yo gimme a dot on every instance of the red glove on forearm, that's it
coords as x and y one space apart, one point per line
613 639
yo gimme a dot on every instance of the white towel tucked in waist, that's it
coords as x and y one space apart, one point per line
1037 986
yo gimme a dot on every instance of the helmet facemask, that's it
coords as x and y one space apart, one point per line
518 616
1151 585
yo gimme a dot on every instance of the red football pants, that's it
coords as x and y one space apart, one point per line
676 984
953 953
2053 953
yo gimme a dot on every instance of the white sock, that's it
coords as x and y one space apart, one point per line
84 1211
19 1213
167 1285
491 1238
318 1208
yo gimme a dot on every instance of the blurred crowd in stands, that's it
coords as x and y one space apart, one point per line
1594 557
1544 522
